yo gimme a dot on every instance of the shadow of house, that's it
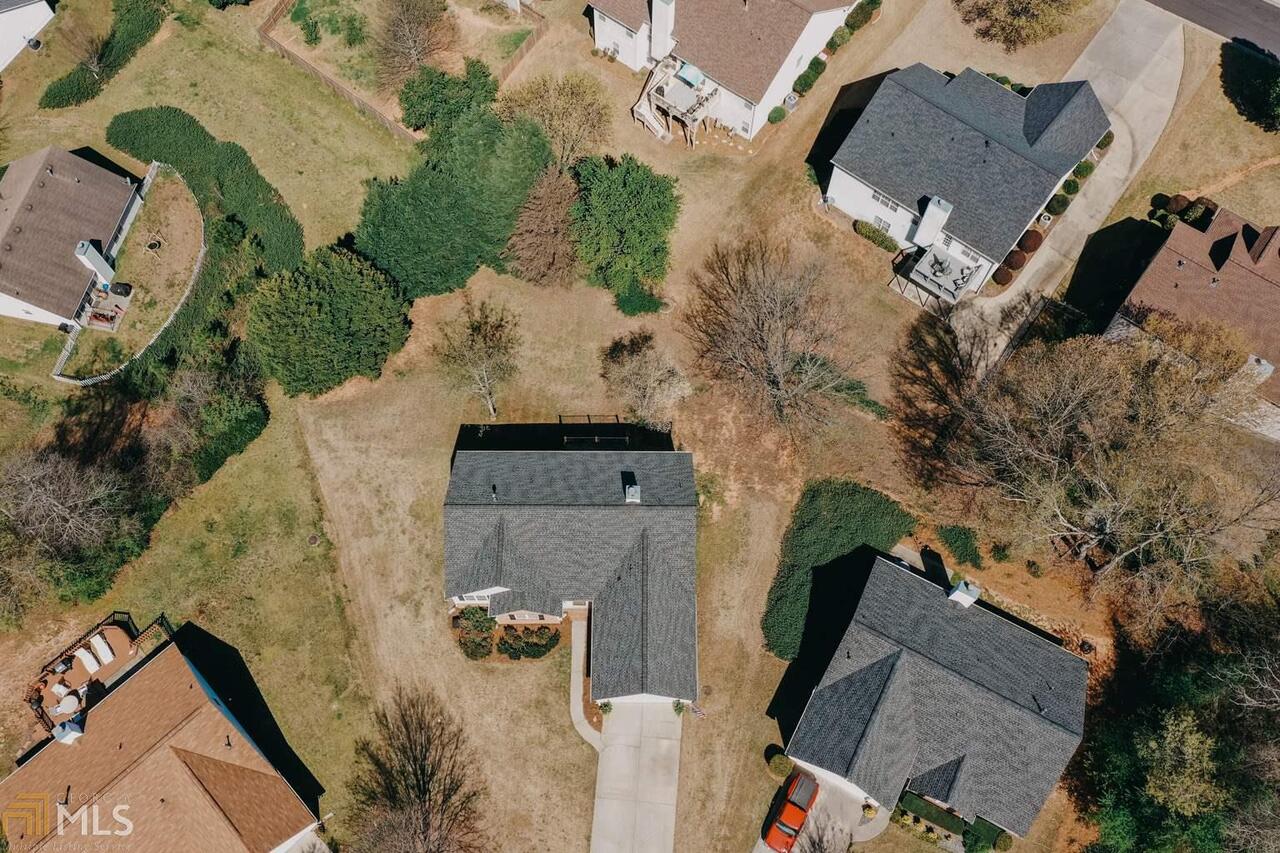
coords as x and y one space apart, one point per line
833 598
1110 265
224 670
609 435
845 110
104 162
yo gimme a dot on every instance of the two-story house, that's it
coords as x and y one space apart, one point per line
956 168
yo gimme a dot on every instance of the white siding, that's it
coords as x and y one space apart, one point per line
811 42
11 307
645 697
18 25
632 47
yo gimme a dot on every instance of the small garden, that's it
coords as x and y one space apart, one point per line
936 825
478 637
1167 211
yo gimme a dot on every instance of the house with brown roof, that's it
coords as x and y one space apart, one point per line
1227 272
158 763
726 62
62 222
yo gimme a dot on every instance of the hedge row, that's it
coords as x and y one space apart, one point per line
861 15
875 235
831 519
220 174
135 23
810 75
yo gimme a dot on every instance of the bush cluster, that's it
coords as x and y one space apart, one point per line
861 15
810 75
436 100
134 23
1016 260
1071 186
1031 241
875 235
1251 81
831 519
839 38
1106 140
962 542
777 114
528 642
475 632
1002 275
1058 204
220 174
1083 169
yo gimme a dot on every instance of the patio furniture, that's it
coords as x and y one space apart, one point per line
59 689
86 657
102 649
69 704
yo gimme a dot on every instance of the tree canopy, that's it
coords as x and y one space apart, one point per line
573 111
334 317
1017 23
1251 80
436 100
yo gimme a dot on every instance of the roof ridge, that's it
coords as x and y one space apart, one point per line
213 800
875 711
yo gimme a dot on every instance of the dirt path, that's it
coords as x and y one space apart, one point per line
1230 180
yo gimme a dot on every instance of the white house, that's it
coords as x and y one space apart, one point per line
62 220
20 22
956 168
727 62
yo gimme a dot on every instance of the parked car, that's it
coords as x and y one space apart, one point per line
802 790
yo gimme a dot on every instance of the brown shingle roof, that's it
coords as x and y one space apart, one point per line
158 745
49 202
1229 274
741 45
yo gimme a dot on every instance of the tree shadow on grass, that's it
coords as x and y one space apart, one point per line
845 110
833 598
227 675
1251 81
102 424
1110 265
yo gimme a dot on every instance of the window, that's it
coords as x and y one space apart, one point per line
882 224
746 128
973 256
880 198
946 241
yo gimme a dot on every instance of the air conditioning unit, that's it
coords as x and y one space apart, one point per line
1045 219
791 101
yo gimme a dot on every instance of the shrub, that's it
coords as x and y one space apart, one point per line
476 646
1031 241
310 31
817 65
860 16
220 174
1035 569
831 519
622 223
1000 552
962 542
1004 841
1071 186
606 707
1083 169
875 235
462 201
839 38
354 32
678 707
777 114
477 619
1178 203
1251 81
805 82
134 23
780 766
335 317
1016 260
435 100
528 642
1002 276
1106 140
1193 213
811 174
1058 204
869 811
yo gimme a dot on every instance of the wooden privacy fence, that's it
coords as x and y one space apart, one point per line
355 98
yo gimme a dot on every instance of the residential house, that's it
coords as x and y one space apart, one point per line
20 22
62 221
1227 272
945 696
956 168
157 763
586 521
727 62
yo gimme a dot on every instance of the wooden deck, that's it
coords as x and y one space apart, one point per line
78 678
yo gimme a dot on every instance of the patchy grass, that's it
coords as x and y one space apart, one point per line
509 43
962 542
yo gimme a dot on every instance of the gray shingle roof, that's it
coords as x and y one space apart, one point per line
995 155
561 530
10 5
957 703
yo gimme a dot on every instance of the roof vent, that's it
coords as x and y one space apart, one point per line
965 593
630 488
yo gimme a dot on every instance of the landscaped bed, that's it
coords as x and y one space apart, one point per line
157 260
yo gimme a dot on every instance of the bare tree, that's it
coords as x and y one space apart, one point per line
62 507
477 350
414 786
411 33
759 318
1255 681
1254 828
23 578
572 110
541 249
89 49
645 379
172 433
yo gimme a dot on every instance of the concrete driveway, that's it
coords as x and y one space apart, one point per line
835 822
637 779
1134 64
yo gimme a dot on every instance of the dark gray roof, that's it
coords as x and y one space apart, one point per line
560 530
993 154
9 5
961 704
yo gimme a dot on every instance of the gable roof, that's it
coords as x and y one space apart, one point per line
1229 273
742 46
49 202
961 704
159 744
560 529
995 155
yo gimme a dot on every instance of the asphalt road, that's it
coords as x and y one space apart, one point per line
1257 21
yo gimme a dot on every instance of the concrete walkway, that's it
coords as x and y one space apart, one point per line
1134 64
637 779
577 683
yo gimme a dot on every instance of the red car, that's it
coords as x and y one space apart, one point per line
802 790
